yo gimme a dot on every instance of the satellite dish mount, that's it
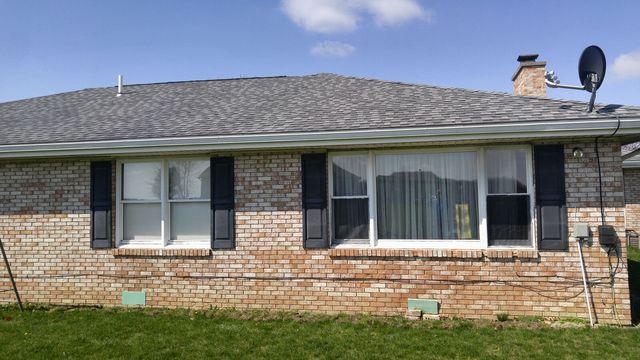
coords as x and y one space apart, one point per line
591 70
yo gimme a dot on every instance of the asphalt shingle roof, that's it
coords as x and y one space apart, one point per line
323 102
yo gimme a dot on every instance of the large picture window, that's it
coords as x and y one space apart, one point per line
466 198
427 196
164 203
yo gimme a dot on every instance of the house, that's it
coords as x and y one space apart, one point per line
318 193
631 171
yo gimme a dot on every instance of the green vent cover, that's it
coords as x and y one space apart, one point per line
134 298
428 306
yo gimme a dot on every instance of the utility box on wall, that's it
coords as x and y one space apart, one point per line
428 306
134 298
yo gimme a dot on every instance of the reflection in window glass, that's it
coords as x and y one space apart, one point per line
141 181
351 218
427 196
350 175
508 220
141 222
190 221
507 171
189 179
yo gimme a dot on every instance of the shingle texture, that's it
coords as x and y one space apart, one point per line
629 148
323 102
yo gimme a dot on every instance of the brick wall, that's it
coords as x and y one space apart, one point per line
632 198
44 220
530 81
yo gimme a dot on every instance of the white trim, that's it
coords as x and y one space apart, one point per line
534 129
165 241
631 162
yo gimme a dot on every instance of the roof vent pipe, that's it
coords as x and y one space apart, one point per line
119 85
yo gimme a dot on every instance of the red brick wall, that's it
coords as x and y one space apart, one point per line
44 220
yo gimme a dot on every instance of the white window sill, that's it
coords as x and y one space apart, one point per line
527 254
161 252
415 244
427 244
187 246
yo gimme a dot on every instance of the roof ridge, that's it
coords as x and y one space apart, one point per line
211 80
51 95
156 83
502 93
352 77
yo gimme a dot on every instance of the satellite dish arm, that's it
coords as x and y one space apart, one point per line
594 80
552 84
591 69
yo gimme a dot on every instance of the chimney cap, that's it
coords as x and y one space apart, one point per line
527 57
525 61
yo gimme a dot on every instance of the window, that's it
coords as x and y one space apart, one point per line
452 198
164 203
350 200
189 200
427 196
141 202
508 199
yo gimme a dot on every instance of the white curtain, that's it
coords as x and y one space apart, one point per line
350 175
507 171
350 215
427 196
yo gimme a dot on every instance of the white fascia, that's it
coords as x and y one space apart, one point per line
632 162
524 130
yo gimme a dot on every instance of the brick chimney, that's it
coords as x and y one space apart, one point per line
528 80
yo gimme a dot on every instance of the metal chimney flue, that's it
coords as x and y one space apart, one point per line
120 85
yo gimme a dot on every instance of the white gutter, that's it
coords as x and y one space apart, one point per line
631 163
525 130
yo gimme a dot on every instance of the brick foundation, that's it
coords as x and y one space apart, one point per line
44 221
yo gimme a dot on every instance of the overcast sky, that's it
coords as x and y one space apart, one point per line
55 46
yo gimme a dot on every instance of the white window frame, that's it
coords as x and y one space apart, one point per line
482 191
165 241
372 225
530 192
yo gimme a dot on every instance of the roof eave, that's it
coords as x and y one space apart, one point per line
524 130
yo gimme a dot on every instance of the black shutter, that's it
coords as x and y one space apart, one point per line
550 197
222 203
101 204
314 200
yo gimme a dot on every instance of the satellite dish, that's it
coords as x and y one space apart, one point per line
592 61
591 70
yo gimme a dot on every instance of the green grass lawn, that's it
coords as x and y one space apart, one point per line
118 333
58 332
